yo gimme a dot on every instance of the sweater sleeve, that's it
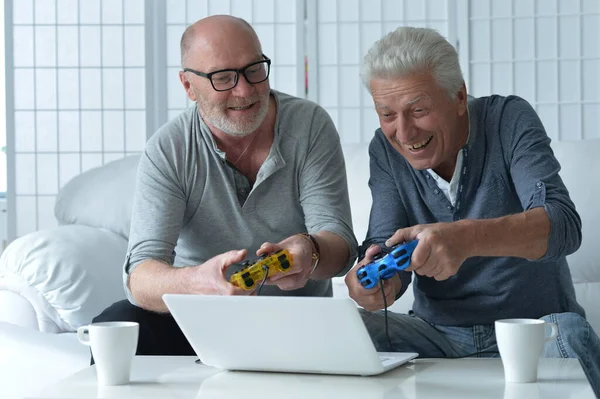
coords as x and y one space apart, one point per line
535 174
324 188
158 207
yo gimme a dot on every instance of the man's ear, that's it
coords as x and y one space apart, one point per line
187 86
461 100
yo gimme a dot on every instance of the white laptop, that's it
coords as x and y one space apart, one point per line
280 334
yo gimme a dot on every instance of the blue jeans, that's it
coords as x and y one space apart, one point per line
409 333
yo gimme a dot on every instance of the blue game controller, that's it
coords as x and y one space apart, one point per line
384 267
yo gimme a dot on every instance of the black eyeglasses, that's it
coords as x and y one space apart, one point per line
227 79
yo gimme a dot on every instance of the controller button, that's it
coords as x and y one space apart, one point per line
366 282
400 253
402 261
381 267
361 274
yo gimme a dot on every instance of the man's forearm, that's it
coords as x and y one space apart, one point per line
334 255
523 235
151 279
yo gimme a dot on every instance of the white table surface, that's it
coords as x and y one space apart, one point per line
180 377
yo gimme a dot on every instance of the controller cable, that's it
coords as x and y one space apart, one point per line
266 270
385 313
387 334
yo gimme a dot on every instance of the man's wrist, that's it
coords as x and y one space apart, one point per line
397 285
315 250
469 230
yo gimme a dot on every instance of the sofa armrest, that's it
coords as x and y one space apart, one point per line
17 309
31 360
68 274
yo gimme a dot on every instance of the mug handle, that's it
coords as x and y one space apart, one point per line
554 332
83 335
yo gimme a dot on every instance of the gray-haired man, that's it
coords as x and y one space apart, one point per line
476 183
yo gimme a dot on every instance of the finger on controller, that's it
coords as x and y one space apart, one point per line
385 265
267 265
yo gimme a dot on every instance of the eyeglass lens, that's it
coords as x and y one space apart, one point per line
254 74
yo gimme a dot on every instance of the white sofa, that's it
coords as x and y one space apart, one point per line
53 281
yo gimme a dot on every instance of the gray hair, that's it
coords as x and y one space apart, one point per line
409 50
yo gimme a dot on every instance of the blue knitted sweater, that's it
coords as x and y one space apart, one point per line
508 167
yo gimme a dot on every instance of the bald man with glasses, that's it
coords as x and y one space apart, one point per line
246 171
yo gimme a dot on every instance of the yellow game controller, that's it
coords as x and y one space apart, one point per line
254 273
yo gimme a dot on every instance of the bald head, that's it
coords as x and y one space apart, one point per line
215 33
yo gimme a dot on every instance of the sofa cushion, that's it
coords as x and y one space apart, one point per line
100 197
69 274
579 161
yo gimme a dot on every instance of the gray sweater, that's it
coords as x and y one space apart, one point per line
191 204
508 167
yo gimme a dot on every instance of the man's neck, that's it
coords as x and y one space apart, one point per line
232 144
248 153
446 169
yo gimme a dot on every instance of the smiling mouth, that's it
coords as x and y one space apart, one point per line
242 108
421 145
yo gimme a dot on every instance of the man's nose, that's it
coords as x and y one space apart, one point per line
243 88
405 129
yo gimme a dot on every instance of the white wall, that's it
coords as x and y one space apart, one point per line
2 107
76 98
546 51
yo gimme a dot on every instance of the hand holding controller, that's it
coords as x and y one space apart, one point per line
385 267
253 273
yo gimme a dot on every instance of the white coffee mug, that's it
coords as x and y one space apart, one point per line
113 347
520 343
